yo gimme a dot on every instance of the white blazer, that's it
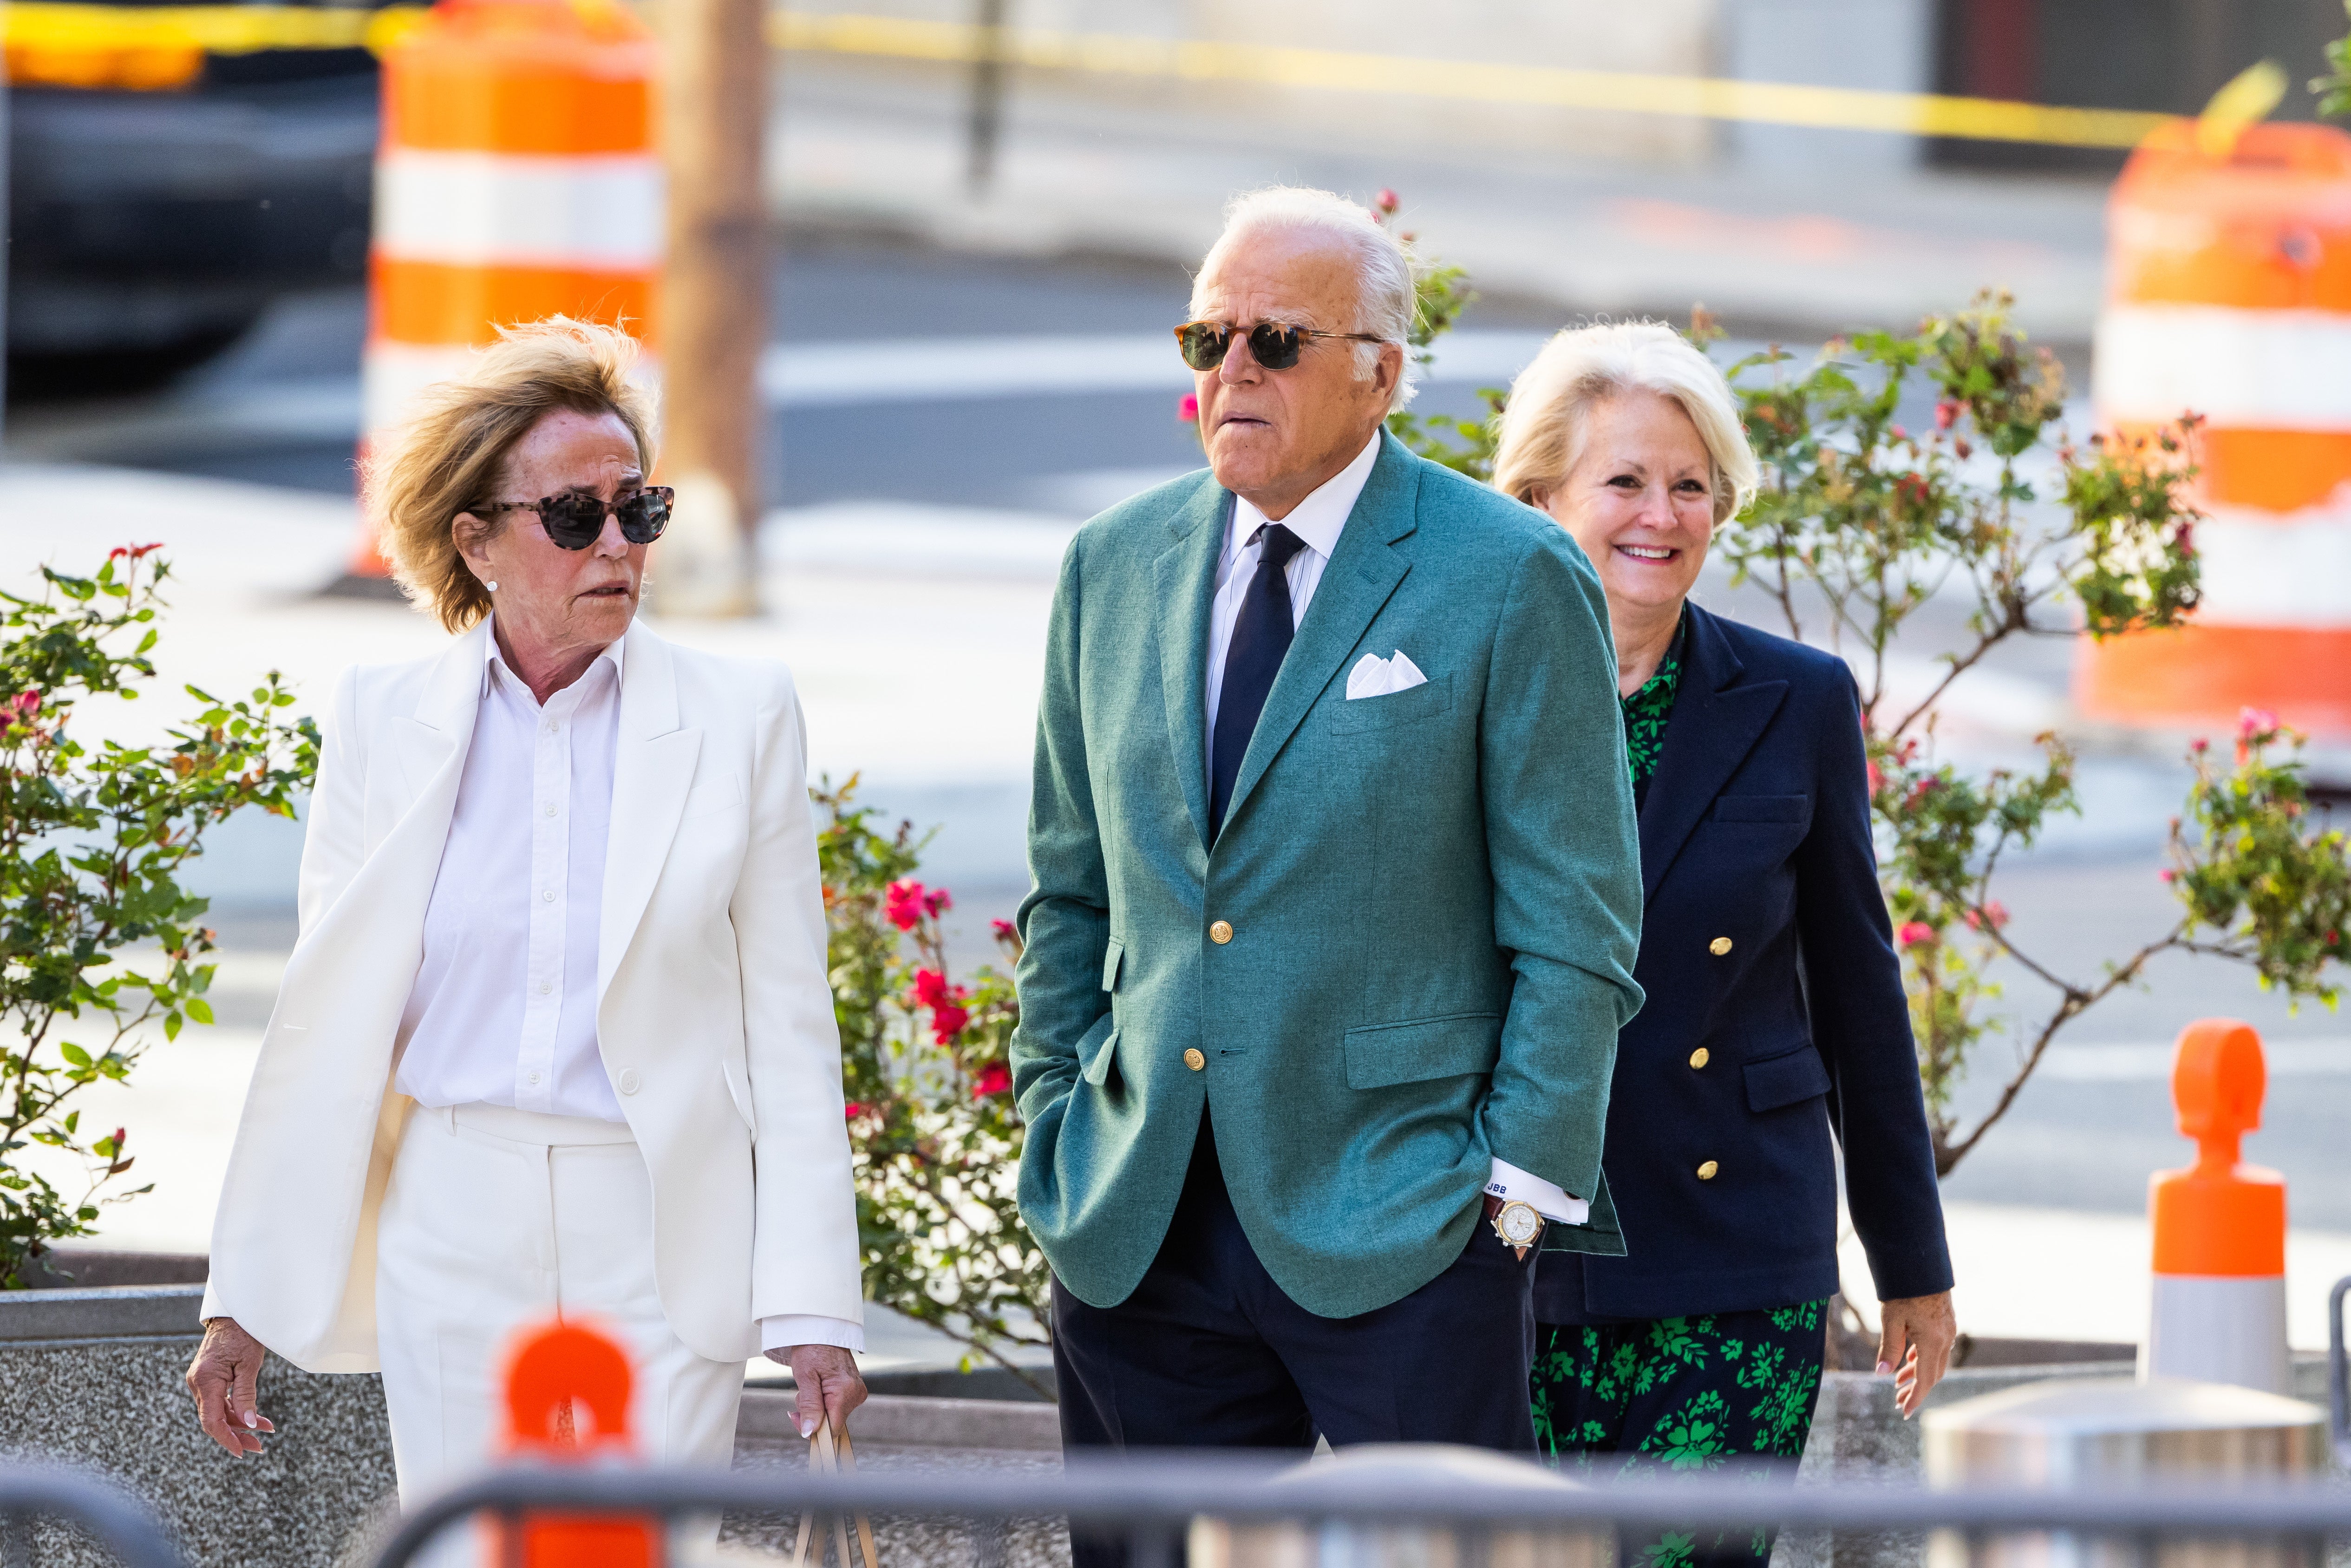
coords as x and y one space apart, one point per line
711 986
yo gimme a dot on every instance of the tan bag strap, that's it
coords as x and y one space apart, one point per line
823 1460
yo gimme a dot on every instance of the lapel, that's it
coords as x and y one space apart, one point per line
1716 723
1361 575
1185 578
653 767
432 740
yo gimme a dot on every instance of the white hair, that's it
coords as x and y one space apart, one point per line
1544 425
1385 299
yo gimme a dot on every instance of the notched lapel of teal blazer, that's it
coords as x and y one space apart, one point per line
1185 578
1359 578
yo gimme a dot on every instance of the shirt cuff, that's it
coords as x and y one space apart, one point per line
1512 1185
788 1329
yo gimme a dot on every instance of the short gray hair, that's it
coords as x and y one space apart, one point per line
1385 303
1544 423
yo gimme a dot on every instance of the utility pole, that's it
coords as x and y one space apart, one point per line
713 322
986 119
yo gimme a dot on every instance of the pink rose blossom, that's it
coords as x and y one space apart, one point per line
854 1109
1005 930
1914 932
948 1021
930 987
905 905
993 1079
2255 721
2167 874
1187 408
937 901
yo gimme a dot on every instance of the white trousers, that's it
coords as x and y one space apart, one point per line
497 1221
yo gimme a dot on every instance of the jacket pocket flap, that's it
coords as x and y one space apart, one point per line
1432 695
1109 964
1381 1055
1761 808
1785 1079
1097 1066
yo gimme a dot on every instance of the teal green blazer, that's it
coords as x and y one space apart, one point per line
1434 896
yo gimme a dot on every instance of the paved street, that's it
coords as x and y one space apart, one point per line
942 423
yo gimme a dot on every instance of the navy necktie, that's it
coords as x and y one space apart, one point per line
1261 635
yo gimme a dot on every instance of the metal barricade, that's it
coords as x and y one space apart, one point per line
1154 1502
2338 1377
119 1522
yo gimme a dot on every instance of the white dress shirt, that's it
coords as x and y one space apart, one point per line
502 1010
1318 520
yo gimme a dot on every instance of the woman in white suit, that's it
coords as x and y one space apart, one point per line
556 1038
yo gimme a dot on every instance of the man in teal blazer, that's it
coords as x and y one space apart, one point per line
1336 893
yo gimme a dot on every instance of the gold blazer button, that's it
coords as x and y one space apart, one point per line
1706 1172
1700 1057
1221 932
1718 947
1194 1060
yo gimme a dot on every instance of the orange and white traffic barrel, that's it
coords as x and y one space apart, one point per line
517 178
2219 1313
2229 293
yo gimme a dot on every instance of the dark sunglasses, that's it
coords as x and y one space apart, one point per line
1271 344
573 521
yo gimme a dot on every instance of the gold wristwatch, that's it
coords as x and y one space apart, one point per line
1517 1224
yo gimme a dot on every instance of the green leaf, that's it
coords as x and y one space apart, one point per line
199 1009
74 1053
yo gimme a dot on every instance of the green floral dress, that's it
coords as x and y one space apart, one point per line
1646 711
1681 1395
1678 1394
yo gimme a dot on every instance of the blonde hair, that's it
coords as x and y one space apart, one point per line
450 456
1544 423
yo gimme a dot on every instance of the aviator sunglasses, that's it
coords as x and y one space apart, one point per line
1271 344
573 520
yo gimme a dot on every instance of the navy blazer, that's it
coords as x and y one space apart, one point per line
1755 839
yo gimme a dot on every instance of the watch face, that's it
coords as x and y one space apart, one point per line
1517 1224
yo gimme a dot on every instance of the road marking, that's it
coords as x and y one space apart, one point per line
2151 1064
926 370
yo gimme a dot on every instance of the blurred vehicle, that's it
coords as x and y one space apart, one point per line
161 196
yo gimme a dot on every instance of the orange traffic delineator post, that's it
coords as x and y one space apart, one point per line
2229 295
516 179
556 1373
2218 1313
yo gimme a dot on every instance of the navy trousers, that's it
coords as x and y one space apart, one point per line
1209 1354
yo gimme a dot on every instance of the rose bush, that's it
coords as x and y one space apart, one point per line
99 940
935 1135
1859 524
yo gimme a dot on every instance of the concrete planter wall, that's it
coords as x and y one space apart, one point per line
92 1376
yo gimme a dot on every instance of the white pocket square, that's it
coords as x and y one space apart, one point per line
1373 676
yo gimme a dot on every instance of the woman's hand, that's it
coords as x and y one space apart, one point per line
1914 1336
829 1384
225 1378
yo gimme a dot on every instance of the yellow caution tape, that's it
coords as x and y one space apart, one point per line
37 25
1709 98
216 29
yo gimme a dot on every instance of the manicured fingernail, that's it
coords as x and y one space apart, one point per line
251 1419
807 1426
1883 1367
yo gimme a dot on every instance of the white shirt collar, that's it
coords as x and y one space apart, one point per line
495 662
1318 518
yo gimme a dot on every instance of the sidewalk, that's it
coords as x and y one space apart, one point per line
857 146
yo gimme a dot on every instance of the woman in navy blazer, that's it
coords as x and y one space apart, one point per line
1775 1017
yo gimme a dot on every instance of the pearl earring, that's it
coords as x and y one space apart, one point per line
492 586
